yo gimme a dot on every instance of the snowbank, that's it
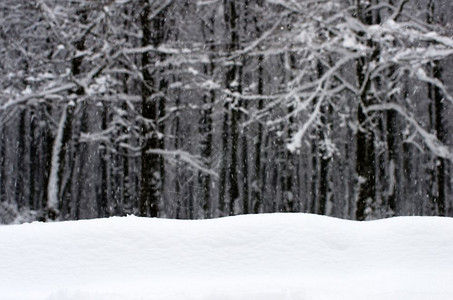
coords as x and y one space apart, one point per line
279 256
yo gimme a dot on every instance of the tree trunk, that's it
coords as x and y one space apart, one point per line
324 165
233 168
2 164
435 95
257 186
21 170
103 202
314 177
440 199
206 121
34 163
234 85
206 129
393 163
287 170
153 107
243 133
81 153
365 138
245 166
178 196
224 161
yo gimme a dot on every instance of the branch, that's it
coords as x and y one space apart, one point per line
434 81
431 141
297 139
42 94
185 157
257 41
160 9
151 48
396 14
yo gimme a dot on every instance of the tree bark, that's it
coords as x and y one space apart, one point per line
365 137
21 170
103 202
257 186
153 108
233 83
435 95
324 165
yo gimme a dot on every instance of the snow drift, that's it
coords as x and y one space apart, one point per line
279 256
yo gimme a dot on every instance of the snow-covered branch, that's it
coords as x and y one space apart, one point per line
431 141
49 93
296 141
180 155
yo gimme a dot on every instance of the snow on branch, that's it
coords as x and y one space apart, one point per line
43 94
258 41
431 141
151 48
296 141
421 75
186 157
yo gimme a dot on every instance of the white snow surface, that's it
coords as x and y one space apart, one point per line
263 257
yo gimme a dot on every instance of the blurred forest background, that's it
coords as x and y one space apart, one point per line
207 108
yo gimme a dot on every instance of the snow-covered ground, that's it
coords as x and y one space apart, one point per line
279 256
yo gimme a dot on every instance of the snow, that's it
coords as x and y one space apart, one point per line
275 256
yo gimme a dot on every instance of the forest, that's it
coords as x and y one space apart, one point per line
196 109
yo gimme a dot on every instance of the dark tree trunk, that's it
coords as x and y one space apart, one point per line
259 176
365 167
224 161
21 170
206 121
365 154
393 163
440 199
207 154
153 108
150 162
2 164
324 165
314 177
127 186
257 186
287 170
231 108
163 85
233 168
81 153
33 163
243 133
190 202
48 142
245 167
206 130
103 203
178 212
436 111
233 83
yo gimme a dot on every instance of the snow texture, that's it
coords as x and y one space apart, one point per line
279 256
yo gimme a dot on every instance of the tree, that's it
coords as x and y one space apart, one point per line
153 23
